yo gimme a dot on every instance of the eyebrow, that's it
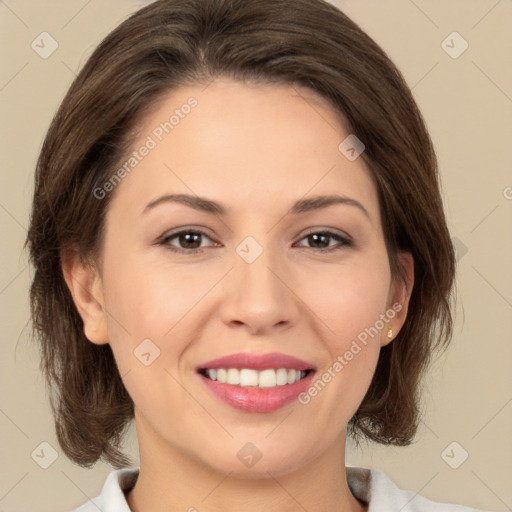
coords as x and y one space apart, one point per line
301 206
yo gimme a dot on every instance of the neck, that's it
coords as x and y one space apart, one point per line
170 479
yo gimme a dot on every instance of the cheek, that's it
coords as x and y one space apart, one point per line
151 299
350 299
351 304
146 319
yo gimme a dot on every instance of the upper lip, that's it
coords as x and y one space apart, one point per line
258 362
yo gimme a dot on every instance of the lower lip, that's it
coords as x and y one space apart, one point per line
258 399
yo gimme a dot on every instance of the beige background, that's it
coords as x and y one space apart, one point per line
467 103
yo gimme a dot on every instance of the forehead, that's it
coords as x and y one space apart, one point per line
257 146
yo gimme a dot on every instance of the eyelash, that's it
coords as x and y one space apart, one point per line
345 242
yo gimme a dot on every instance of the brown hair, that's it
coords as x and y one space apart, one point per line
172 43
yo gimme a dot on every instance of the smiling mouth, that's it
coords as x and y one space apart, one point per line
250 378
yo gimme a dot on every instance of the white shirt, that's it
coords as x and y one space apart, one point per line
369 485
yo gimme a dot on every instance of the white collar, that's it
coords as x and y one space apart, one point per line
368 485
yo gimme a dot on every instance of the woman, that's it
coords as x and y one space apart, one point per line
239 241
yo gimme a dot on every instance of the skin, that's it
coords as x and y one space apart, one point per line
256 149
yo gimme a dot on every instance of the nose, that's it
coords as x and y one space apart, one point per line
259 296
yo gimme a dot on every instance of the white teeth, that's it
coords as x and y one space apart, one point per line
269 378
281 377
233 376
247 377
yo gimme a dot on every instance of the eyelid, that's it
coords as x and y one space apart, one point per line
343 238
329 231
186 229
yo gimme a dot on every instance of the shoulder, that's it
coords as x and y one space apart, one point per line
381 493
112 498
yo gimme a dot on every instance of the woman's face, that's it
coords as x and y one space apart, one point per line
259 284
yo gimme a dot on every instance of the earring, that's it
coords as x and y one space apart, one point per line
390 333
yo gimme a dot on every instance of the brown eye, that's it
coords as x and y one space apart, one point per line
189 241
320 240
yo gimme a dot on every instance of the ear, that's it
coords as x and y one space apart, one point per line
399 296
84 283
